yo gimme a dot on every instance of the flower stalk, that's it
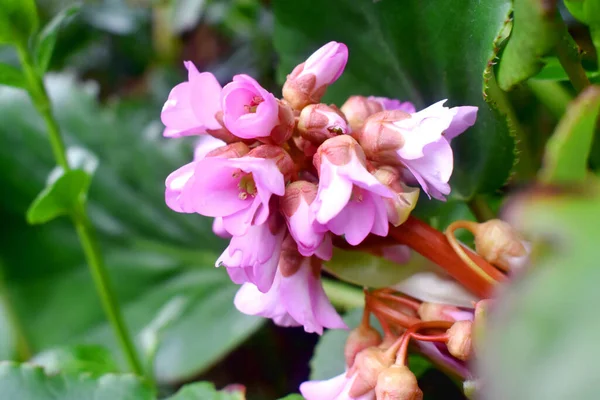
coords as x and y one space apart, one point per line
81 221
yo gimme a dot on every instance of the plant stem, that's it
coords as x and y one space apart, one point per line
342 295
481 209
22 344
83 226
569 59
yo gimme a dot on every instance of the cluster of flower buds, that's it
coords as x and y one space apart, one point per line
281 176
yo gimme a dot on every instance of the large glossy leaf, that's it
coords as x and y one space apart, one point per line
541 341
567 151
28 382
153 254
422 51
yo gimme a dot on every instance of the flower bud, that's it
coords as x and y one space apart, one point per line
368 364
319 122
380 138
305 146
360 338
284 128
459 340
308 81
397 383
358 108
280 156
401 205
339 150
443 312
233 150
500 244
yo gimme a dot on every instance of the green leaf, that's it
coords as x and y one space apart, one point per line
92 359
541 340
554 71
412 50
588 12
567 151
11 76
293 396
28 382
537 28
205 391
46 40
18 21
60 197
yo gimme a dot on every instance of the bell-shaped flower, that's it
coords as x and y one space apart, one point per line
296 297
254 256
308 234
308 81
192 106
419 141
350 200
249 111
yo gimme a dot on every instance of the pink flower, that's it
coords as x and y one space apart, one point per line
308 234
296 297
419 142
205 145
219 230
308 81
254 256
350 200
394 104
337 388
192 105
249 111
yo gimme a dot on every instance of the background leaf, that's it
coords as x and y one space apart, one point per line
567 151
11 76
18 21
92 359
30 382
205 391
541 338
46 40
417 51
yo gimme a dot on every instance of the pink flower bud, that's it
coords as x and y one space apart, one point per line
305 146
249 111
405 198
308 81
233 150
368 365
310 236
397 383
443 312
358 108
360 338
459 340
282 159
319 122
379 137
500 244
285 126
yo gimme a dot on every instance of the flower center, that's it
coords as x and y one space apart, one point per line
246 185
251 108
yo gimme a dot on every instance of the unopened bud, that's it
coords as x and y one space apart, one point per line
397 383
339 150
308 81
500 244
233 150
319 122
401 205
284 128
368 365
443 312
279 155
359 339
459 340
358 108
380 138
308 148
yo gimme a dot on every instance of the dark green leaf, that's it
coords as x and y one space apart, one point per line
59 197
11 76
205 391
567 151
27 382
46 40
95 360
537 28
18 21
541 340
292 397
412 50
553 71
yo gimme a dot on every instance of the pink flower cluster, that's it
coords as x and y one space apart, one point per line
281 176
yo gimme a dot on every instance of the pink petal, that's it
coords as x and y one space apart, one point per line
324 390
434 169
175 184
334 193
464 117
354 221
205 145
205 96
